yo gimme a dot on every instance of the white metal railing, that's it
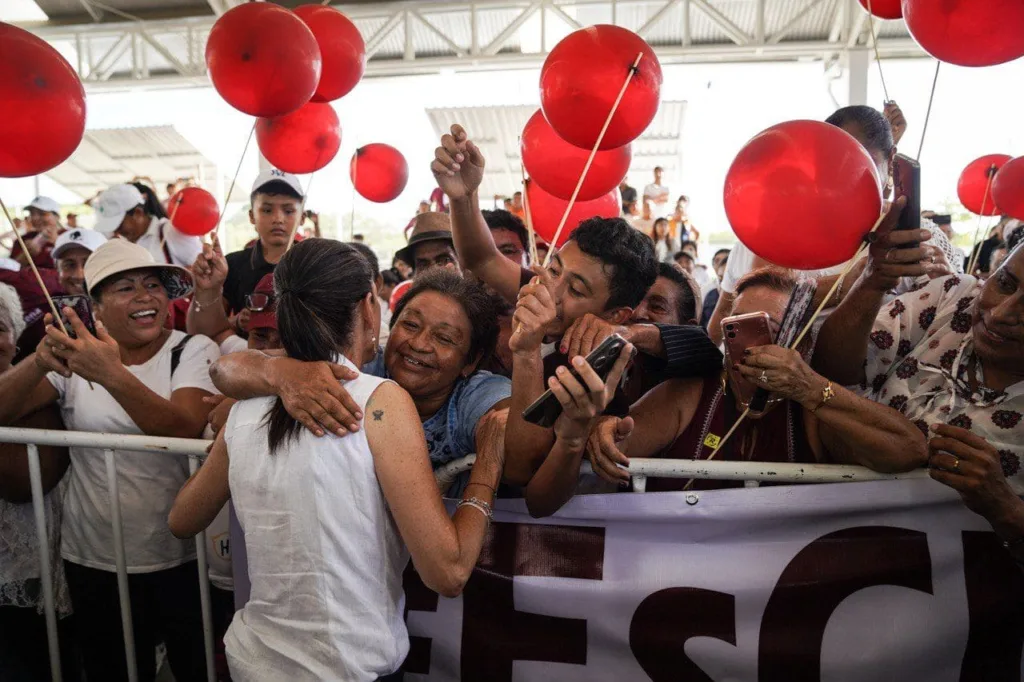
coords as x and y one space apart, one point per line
639 469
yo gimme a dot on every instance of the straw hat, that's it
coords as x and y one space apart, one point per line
120 255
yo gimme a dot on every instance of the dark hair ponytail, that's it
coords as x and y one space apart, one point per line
152 205
318 284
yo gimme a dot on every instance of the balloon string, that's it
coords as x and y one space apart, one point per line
39 278
302 210
590 159
231 188
878 57
928 115
975 251
807 327
531 236
352 218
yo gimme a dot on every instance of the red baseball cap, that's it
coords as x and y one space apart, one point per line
266 317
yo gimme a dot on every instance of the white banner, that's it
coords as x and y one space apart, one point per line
881 581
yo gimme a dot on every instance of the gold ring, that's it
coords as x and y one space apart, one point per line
956 464
764 376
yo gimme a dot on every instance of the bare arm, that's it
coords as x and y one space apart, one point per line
24 388
53 461
310 391
203 495
444 550
653 423
582 400
458 167
477 252
855 430
527 386
206 312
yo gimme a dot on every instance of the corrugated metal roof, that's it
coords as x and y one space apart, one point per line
115 155
496 131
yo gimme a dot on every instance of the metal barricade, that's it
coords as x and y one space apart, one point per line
640 470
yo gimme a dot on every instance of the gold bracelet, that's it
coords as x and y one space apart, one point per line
827 394
839 289
200 305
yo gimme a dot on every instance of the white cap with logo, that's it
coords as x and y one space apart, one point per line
273 175
113 205
44 204
90 240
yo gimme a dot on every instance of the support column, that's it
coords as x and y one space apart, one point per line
858 62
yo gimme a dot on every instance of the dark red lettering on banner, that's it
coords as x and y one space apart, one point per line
494 633
995 602
666 619
822 575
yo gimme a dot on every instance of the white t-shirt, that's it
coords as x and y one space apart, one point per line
182 247
233 344
741 261
148 482
656 194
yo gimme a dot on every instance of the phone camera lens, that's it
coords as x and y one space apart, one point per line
732 335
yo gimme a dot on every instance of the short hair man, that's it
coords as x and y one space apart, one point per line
509 235
70 252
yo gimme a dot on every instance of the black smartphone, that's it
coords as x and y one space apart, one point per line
906 179
82 307
546 409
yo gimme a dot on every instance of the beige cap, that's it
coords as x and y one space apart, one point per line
120 255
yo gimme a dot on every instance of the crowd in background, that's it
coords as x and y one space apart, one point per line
335 387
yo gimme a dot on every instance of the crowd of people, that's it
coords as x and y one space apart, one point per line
334 389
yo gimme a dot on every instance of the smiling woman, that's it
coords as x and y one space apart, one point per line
133 376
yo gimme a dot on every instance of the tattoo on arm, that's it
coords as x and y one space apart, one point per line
377 414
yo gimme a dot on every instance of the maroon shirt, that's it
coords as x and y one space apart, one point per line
33 303
43 259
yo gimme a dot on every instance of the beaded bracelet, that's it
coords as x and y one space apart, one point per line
479 505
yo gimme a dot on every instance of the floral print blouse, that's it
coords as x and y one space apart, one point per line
917 362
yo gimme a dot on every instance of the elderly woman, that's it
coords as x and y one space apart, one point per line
134 377
808 419
441 331
951 358
23 650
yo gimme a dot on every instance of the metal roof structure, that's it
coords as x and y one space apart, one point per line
496 131
110 156
127 43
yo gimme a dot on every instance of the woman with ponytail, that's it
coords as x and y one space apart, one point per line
330 523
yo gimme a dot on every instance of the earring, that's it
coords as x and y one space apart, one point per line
888 184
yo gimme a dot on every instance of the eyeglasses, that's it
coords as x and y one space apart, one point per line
257 303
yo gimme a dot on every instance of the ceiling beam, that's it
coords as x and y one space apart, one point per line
794 22
715 15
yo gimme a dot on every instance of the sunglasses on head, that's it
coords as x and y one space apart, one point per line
257 303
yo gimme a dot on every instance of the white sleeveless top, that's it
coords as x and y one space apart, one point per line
325 557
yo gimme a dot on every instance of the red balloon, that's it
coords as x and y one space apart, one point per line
193 211
303 141
967 32
556 165
546 212
1008 188
263 60
398 292
379 172
341 47
44 105
582 77
884 9
976 184
802 195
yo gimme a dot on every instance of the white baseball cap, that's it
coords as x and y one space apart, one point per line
45 204
273 175
90 240
120 255
113 205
